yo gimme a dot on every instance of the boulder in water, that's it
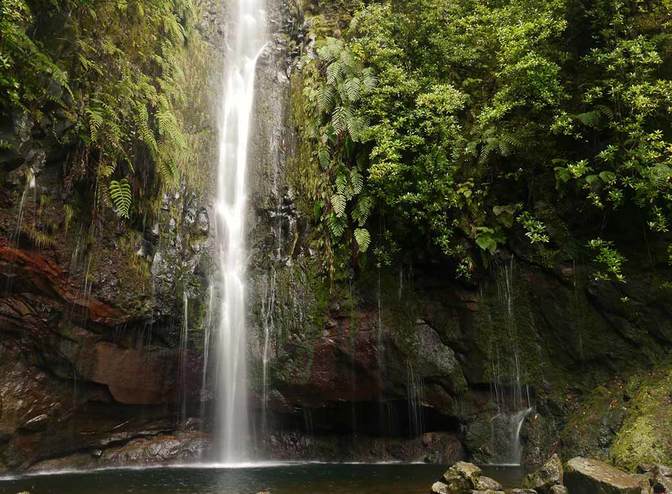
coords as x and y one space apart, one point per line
440 488
487 484
546 477
463 478
588 476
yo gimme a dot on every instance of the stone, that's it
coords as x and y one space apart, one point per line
487 484
440 488
462 477
134 377
588 476
659 477
559 489
487 492
35 424
435 359
547 476
522 491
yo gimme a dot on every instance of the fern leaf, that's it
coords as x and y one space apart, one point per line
121 196
326 98
355 126
334 71
353 89
362 210
357 182
336 226
338 202
340 120
369 79
342 184
96 119
363 239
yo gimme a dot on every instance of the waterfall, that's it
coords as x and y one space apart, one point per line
246 40
30 184
510 395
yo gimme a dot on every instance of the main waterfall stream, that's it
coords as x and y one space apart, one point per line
245 42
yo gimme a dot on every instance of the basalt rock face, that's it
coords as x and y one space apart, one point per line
448 350
91 308
88 346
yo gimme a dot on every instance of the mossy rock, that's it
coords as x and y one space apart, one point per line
591 428
646 435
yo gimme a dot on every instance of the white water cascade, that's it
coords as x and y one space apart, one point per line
246 40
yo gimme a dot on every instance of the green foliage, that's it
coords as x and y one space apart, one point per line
115 70
463 116
609 260
535 230
120 193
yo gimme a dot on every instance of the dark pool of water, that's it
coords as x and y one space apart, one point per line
278 479
509 476
295 479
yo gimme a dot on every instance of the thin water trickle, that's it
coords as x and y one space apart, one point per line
246 41
510 394
207 332
267 311
414 390
16 235
183 356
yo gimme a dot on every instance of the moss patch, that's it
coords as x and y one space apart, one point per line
646 435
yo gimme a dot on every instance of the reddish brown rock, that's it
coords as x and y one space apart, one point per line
47 278
134 377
